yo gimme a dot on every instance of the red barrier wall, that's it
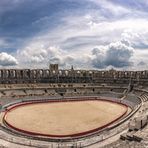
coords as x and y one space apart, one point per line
58 101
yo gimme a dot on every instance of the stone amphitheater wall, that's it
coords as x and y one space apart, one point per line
28 76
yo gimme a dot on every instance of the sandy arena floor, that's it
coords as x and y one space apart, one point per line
64 118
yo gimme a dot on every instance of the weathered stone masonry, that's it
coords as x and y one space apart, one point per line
16 76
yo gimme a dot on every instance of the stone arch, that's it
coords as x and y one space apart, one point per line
0 73
14 73
7 73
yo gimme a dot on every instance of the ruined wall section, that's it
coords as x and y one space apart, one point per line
19 76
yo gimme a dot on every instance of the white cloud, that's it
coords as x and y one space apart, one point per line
118 40
40 54
111 8
77 43
7 59
115 54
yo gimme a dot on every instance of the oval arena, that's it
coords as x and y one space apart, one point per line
70 118
73 108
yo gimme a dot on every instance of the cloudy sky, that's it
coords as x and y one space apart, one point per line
94 34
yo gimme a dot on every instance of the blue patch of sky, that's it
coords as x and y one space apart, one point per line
31 17
19 22
141 5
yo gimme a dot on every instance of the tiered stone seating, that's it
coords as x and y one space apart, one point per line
144 97
11 103
110 94
134 99
35 92
125 144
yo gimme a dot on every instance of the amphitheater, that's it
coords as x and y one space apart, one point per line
54 108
